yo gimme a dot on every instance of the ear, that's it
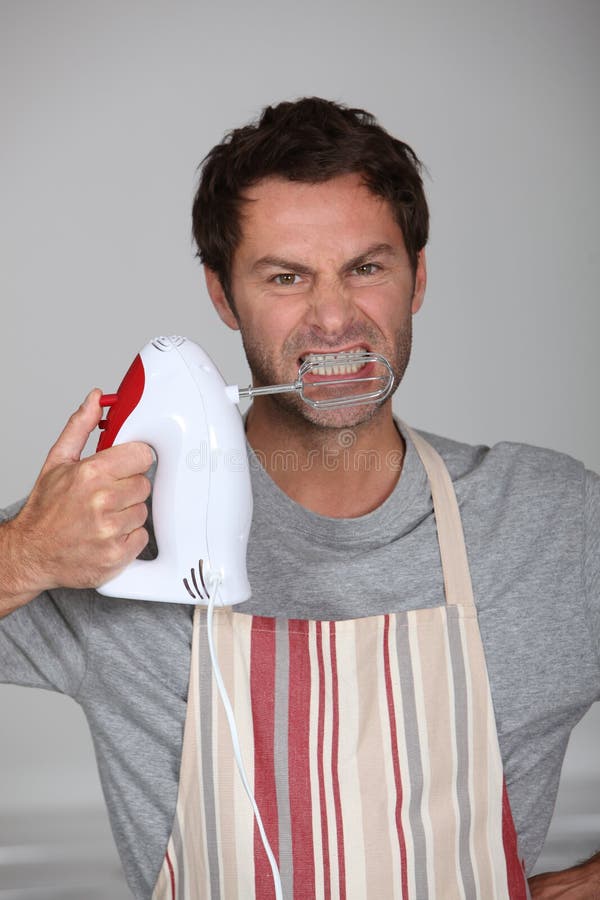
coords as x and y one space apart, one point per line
420 283
220 302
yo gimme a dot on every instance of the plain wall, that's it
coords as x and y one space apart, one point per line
107 109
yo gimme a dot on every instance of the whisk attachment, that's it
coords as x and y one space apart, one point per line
378 385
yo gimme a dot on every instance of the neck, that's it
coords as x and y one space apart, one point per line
337 472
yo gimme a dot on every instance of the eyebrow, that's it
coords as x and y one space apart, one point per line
290 265
369 253
286 265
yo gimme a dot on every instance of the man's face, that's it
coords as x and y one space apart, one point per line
321 268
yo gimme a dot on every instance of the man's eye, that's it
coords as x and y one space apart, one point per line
367 269
286 279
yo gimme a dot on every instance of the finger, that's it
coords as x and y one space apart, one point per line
124 460
73 438
117 527
130 546
136 541
121 494
131 519
136 489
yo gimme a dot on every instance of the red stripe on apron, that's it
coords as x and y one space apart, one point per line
320 761
517 885
262 692
299 761
172 877
395 757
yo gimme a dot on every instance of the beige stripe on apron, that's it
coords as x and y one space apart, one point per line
371 744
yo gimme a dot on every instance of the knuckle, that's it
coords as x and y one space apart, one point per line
107 531
89 469
98 501
103 500
76 415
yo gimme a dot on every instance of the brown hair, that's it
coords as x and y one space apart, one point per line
310 140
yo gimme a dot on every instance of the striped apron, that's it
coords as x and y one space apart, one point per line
371 745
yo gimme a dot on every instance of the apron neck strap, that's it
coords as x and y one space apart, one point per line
455 565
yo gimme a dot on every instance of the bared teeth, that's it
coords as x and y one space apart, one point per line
346 363
337 370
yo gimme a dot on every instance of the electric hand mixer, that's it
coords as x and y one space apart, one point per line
174 398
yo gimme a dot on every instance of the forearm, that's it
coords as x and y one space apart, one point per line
580 882
18 583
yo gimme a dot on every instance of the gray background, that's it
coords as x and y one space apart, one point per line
106 110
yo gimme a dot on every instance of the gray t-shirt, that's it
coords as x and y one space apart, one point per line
532 528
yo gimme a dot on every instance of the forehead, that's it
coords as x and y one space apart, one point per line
339 211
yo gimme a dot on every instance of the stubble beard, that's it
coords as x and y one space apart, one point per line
293 410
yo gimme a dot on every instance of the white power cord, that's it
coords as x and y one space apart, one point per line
215 582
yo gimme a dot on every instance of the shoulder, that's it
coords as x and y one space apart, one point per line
519 469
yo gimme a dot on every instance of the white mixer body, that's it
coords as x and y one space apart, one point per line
177 403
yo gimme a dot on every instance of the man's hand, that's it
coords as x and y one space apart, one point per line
579 883
83 521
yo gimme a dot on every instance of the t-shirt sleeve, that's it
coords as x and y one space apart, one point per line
43 643
591 555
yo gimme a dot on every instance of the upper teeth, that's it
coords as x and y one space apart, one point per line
346 363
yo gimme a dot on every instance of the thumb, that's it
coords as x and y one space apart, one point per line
73 438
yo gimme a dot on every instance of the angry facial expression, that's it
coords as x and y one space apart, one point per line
321 268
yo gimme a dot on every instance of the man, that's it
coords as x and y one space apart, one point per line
359 669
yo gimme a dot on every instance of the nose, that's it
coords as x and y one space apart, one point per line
331 309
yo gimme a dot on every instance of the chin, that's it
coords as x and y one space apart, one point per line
323 419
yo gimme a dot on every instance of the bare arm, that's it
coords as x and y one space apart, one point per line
580 882
14 588
83 521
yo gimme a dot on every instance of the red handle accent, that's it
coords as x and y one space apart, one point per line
108 399
122 403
